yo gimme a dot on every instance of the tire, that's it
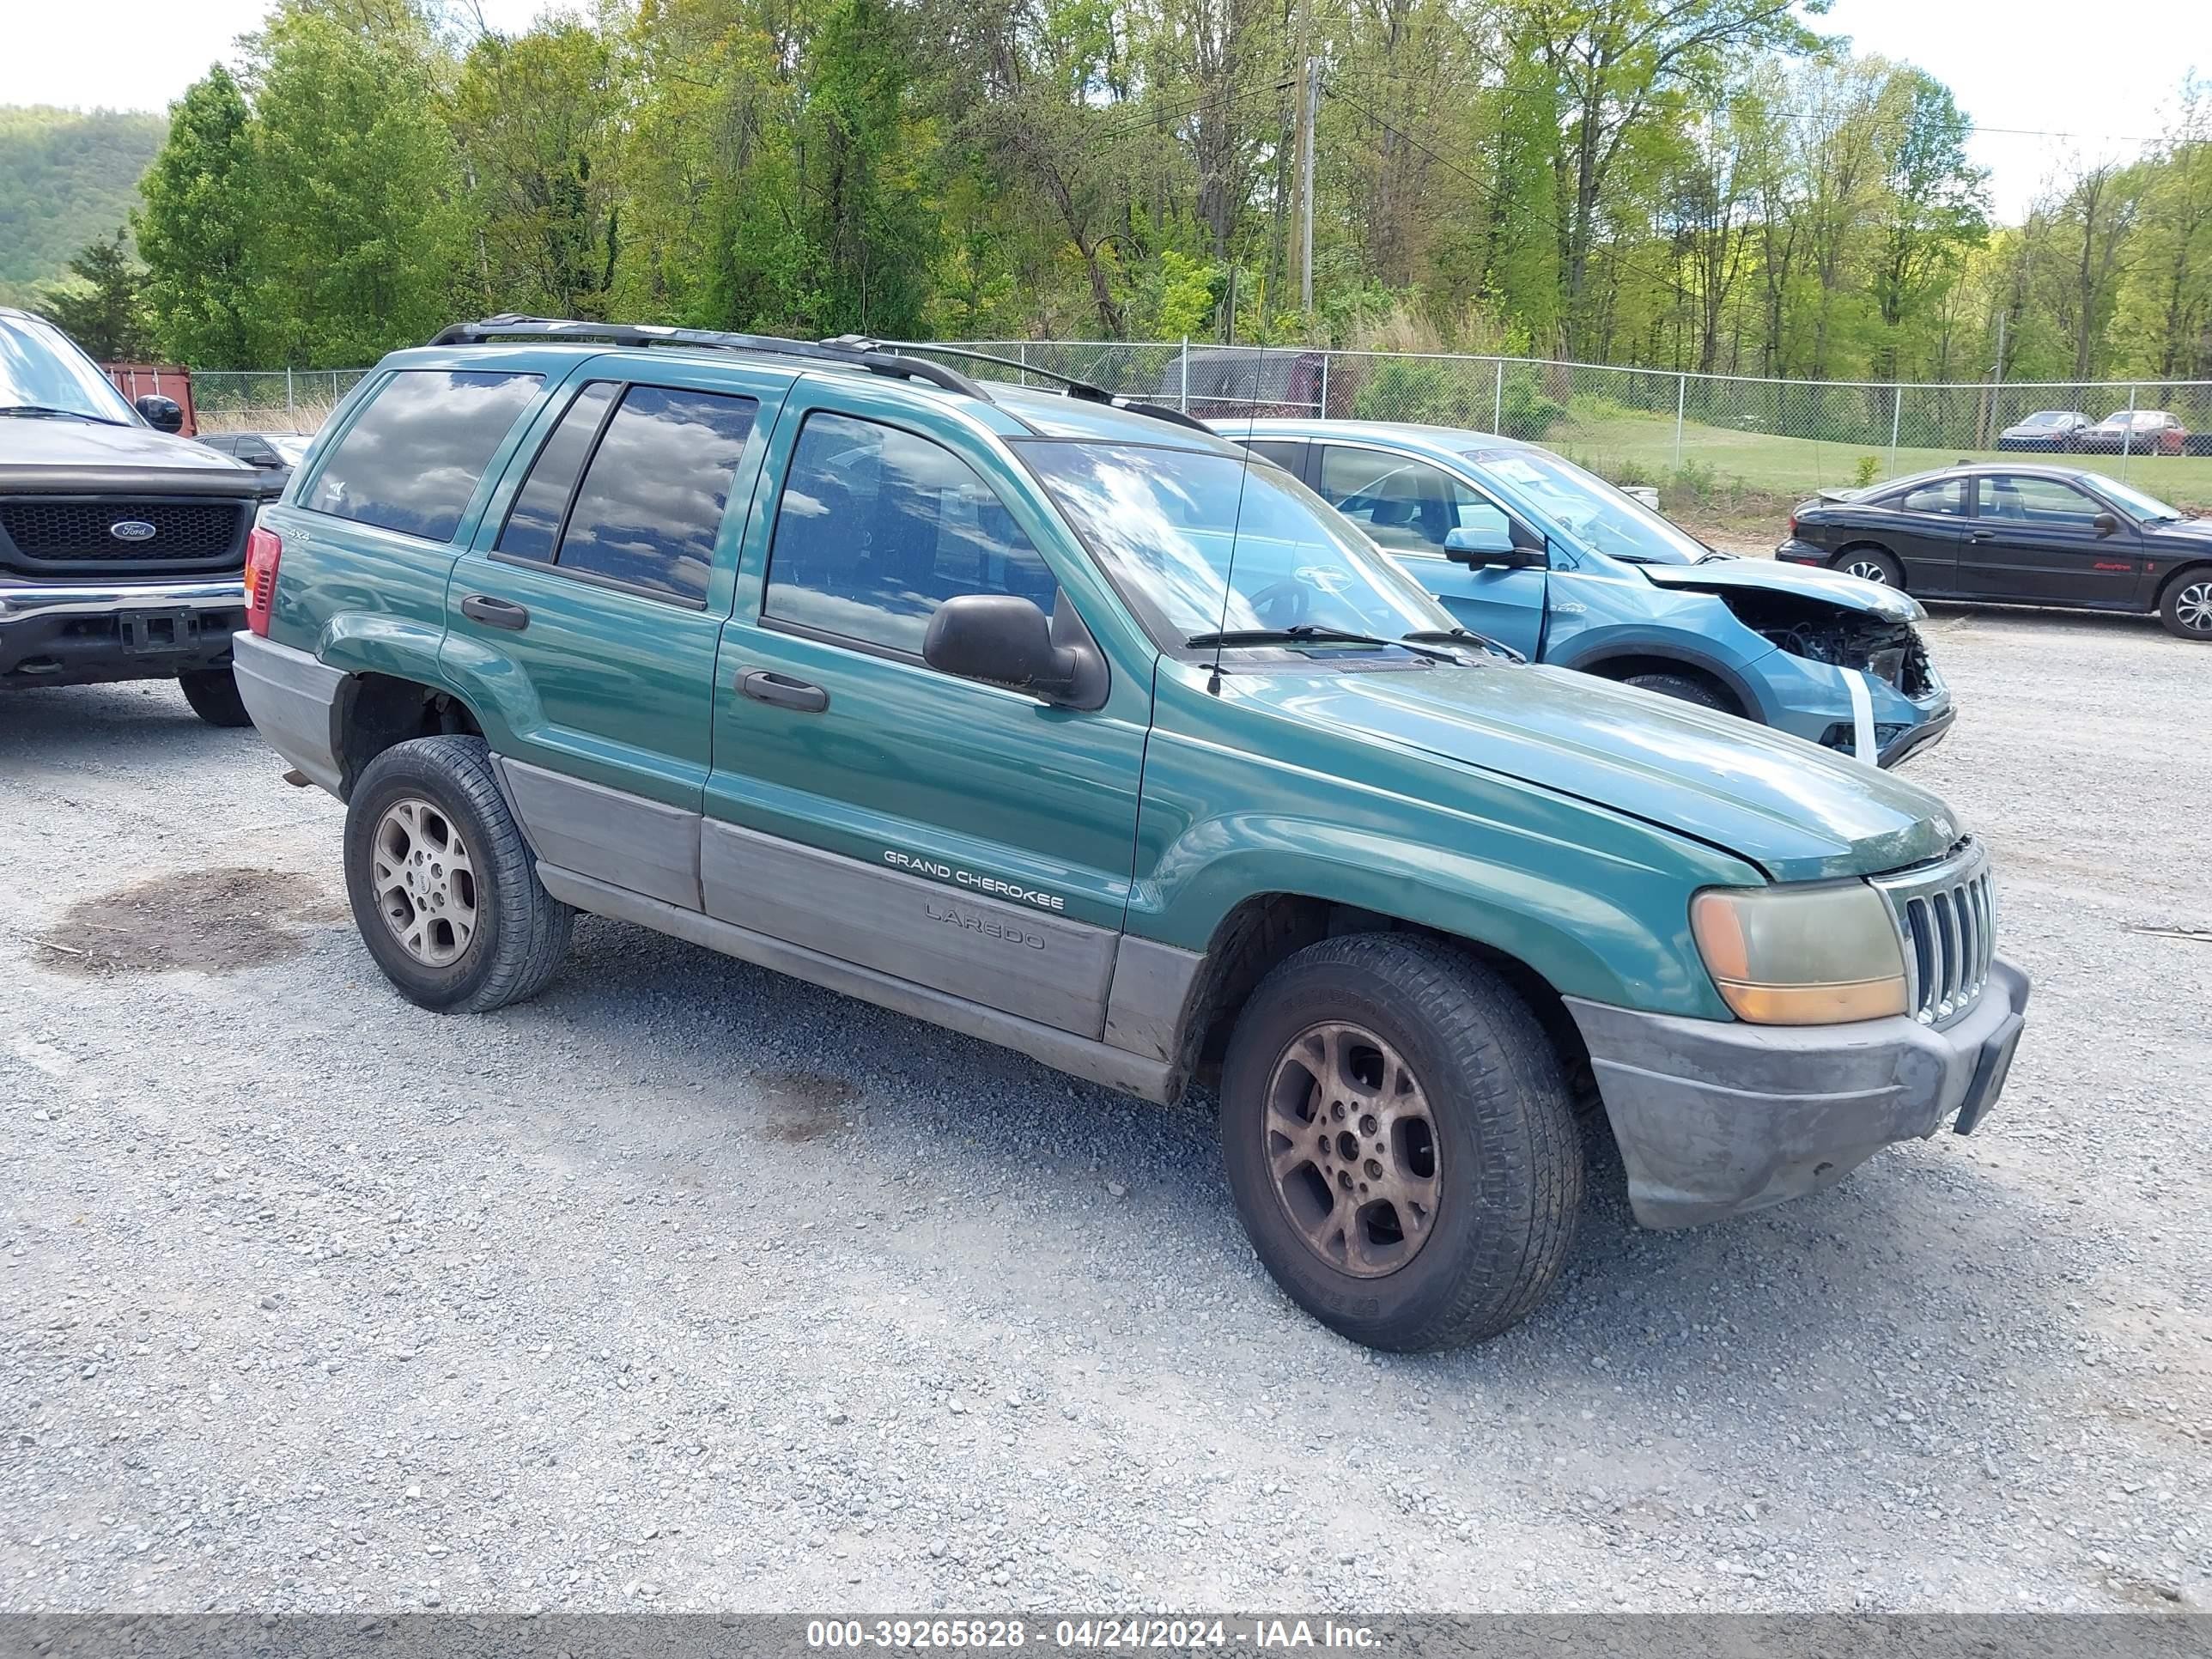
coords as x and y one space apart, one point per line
2185 607
1683 687
213 693
454 946
1870 564
1489 1144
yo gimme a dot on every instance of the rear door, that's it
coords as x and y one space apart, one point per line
2035 537
593 601
970 838
1408 507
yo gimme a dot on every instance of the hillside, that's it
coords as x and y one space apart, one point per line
66 176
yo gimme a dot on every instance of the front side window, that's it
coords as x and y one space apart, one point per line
1947 498
1205 541
412 460
1405 504
1591 510
635 496
878 527
2027 499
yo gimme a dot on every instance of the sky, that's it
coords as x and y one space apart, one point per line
2045 80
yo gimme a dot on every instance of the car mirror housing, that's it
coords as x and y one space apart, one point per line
1003 639
1488 547
2105 524
162 414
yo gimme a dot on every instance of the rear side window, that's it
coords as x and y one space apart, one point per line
414 457
1948 500
655 482
878 527
1290 457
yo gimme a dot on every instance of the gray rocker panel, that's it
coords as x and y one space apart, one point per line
609 833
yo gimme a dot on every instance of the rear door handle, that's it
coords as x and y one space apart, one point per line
495 613
765 685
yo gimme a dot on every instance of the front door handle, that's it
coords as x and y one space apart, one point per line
765 685
1982 536
495 613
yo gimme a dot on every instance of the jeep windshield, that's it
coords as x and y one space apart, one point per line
1607 519
43 376
1217 547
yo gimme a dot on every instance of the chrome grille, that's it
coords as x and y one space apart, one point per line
1946 918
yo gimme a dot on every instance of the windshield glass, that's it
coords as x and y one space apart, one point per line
39 369
2136 501
1591 509
292 447
2048 417
1164 520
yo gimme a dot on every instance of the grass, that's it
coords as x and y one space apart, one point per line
1740 481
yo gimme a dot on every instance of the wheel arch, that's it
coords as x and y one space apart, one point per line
375 711
1617 658
1864 544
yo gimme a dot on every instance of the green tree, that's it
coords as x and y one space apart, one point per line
358 241
196 227
102 309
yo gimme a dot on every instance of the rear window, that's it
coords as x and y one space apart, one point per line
412 460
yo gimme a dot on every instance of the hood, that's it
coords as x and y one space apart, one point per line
79 443
2194 533
1798 812
1804 581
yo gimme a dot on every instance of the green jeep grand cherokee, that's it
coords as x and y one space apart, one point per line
1071 728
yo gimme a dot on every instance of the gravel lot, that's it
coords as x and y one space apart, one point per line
689 1286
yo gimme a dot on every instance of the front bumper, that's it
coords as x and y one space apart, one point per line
84 633
1852 711
1718 1117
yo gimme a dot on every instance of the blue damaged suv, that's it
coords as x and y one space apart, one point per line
1524 546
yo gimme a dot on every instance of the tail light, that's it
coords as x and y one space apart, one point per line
1793 524
262 550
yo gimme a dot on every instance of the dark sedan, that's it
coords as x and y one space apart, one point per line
2135 432
273 453
2047 429
2019 534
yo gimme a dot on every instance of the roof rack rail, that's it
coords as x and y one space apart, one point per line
1087 391
850 352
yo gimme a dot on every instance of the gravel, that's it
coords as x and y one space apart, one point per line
687 1287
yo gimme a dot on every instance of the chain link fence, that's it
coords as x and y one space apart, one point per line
269 399
1716 447
1719 449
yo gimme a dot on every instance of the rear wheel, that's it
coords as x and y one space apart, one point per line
1684 688
1870 564
1400 1141
443 887
213 693
2186 606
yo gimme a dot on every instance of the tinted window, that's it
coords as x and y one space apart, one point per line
1290 457
878 527
414 457
2033 500
1947 499
533 523
651 504
1406 505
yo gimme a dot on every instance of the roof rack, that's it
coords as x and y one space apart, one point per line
1087 391
847 353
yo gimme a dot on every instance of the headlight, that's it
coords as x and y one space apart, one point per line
1800 956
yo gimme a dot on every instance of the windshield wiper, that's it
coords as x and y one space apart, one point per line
47 411
1467 636
1304 634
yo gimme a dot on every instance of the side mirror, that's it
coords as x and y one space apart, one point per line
162 414
1002 639
2105 524
1483 547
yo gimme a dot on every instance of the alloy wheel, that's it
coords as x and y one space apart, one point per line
2192 607
1351 1146
425 882
1867 571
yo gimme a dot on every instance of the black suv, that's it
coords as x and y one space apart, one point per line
122 547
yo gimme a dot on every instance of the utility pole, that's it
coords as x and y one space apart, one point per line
1309 112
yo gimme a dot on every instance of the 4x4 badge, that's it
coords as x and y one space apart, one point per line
131 530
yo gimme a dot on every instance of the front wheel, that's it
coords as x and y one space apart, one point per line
1400 1141
443 887
213 693
1683 688
1870 564
2186 606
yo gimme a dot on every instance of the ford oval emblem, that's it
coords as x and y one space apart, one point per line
131 530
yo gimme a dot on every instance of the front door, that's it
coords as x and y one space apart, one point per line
965 837
2035 537
595 596
1408 508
